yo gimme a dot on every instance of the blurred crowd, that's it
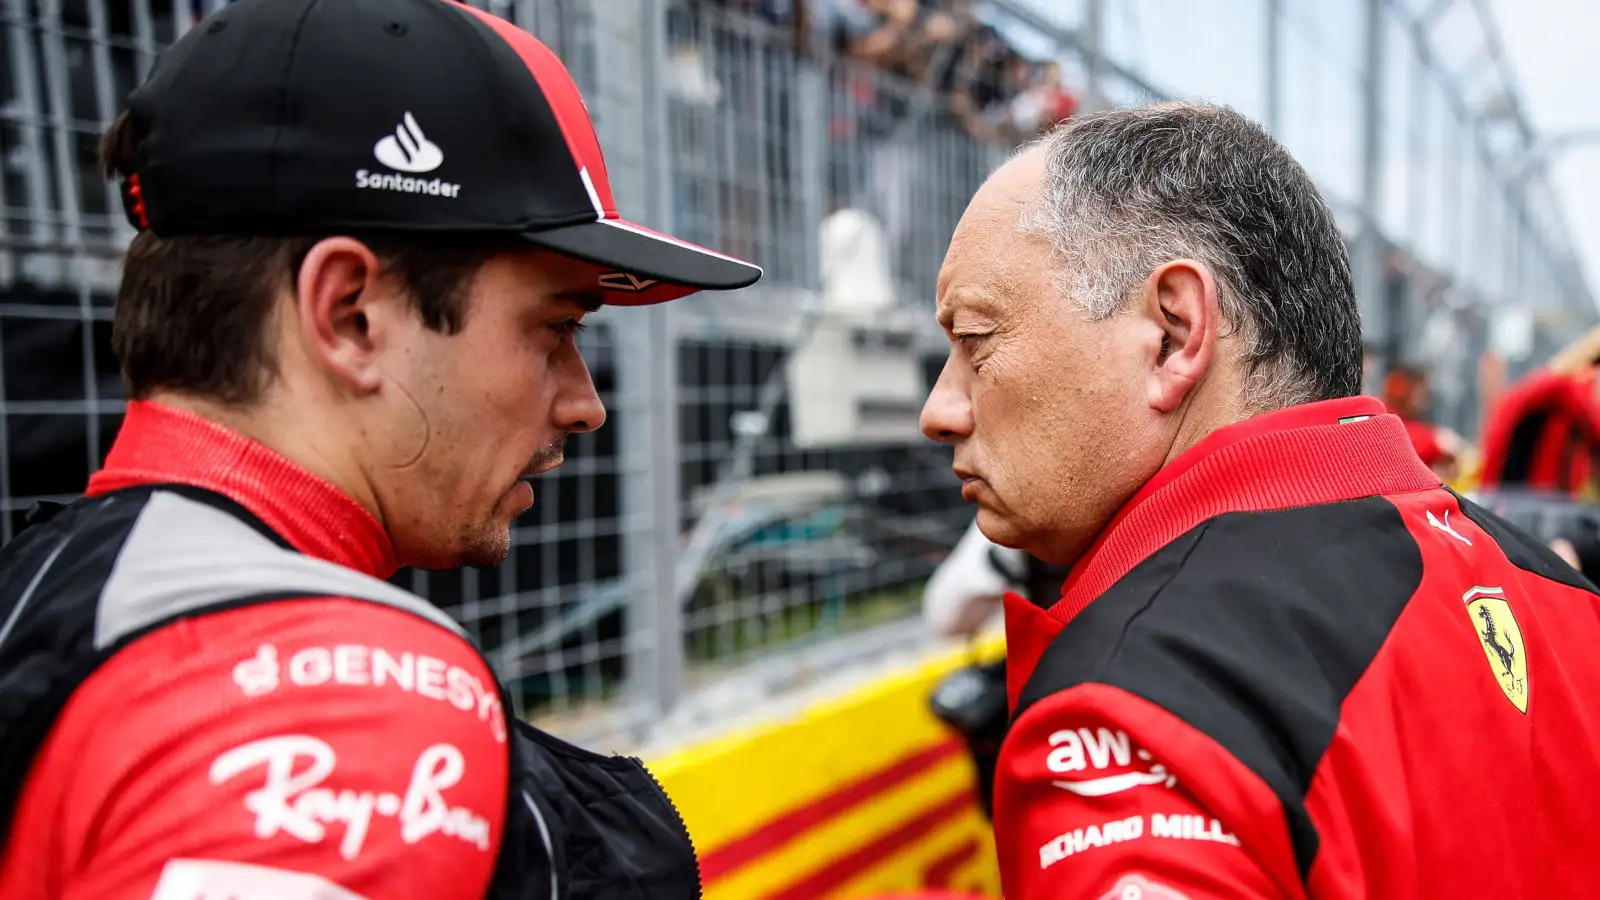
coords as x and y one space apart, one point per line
912 98
997 92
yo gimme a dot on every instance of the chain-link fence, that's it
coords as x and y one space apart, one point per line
761 487
727 128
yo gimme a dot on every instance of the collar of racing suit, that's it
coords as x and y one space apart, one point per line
160 444
1313 453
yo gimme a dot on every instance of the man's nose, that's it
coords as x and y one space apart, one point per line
578 407
947 414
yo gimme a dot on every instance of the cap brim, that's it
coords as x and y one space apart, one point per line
646 266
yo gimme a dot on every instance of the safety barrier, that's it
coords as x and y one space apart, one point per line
860 794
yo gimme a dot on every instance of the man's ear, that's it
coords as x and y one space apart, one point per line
1181 300
338 283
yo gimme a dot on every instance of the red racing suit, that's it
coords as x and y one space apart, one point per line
1294 665
1543 434
327 748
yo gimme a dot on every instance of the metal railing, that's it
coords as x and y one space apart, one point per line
701 533
720 126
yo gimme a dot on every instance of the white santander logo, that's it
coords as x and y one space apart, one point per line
408 149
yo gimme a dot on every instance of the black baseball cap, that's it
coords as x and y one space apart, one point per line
280 117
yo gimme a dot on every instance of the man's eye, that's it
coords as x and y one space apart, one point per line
970 342
569 329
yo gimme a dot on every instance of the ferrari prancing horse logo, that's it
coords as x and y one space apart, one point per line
1501 638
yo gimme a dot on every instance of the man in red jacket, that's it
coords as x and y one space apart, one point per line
1286 662
368 233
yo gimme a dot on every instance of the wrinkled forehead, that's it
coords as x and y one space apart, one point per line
993 277
989 247
975 298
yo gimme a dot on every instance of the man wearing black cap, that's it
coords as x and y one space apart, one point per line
368 230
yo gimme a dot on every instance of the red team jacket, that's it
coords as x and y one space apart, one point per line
1294 666
191 744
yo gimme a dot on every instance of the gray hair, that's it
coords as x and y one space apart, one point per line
1128 190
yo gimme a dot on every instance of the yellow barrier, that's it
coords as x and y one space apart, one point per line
857 795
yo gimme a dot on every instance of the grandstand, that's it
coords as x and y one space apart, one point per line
761 510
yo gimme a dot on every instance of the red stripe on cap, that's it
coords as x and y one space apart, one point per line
565 101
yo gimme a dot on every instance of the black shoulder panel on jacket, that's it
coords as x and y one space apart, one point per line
1525 551
51 578
46 638
1252 628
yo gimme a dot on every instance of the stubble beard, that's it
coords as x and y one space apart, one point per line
489 544
486 548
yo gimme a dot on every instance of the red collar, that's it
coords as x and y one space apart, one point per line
158 444
1314 453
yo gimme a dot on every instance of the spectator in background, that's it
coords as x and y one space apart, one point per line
936 41
889 65
983 84
1406 393
1043 105
868 33
1002 96
912 43
793 16
890 50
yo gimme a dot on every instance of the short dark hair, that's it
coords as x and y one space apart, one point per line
191 311
1130 189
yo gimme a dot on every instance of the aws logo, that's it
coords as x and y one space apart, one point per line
1501 638
1115 763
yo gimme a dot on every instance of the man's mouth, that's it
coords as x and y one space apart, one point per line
969 484
546 460
533 472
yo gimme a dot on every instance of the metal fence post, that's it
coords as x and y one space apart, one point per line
1367 263
811 144
1274 67
34 257
647 383
1092 45
1421 77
